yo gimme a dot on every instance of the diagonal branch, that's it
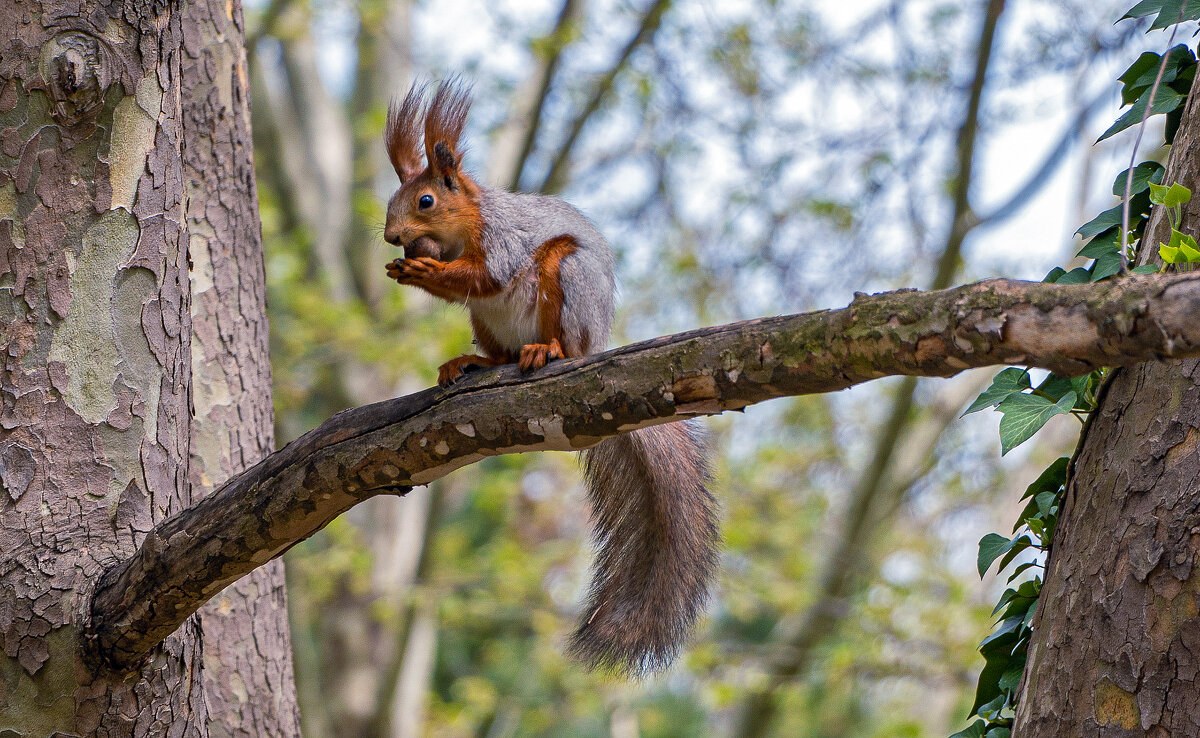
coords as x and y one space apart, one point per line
556 176
516 139
387 447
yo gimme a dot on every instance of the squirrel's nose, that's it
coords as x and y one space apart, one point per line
392 236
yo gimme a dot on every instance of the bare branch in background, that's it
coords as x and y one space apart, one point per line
845 562
573 404
322 138
556 175
518 135
1041 176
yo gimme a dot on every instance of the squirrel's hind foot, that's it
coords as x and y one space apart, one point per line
536 355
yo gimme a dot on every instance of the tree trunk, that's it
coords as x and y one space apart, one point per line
134 376
1116 637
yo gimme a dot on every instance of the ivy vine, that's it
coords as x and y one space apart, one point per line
1026 408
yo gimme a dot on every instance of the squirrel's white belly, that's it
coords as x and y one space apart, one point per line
511 316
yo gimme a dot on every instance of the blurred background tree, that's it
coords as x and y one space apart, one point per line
744 158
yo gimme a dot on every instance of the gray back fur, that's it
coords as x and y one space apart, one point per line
516 224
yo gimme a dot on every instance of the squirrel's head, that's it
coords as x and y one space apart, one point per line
437 201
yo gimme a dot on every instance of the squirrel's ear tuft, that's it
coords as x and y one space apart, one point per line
444 123
403 133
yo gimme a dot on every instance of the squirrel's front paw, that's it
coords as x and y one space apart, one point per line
414 271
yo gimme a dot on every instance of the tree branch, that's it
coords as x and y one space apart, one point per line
387 447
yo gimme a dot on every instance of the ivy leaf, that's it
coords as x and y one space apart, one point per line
1171 197
974 730
1106 265
1170 15
1018 572
1141 74
1144 8
1165 101
1005 598
1025 414
1020 543
1054 386
1145 269
1169 254
991 710
991 547
1167 10
1078 275
1082 384
1108 242
1004 634
1102 222
1132 87
1006 383
1011 679
1045 502
1144 174
1187 246
1053 479
999 731
987 691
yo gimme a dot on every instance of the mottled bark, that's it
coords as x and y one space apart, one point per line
1116 645
101 124
247 666
573 404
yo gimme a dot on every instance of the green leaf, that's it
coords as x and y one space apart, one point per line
1054 386
1082 385
1102 222
1078 275
991 710
1187 246
1045 502
1053 275
1004 634
1141 74
1025 414
974 730
999 732
1053 479
988 688
1019 571
1108 242
1005 598
1020 543
1170 13
1169 254
1143 9
1011 679
1177 195
1165 101
1144 174
1008 381
1106 265
991 547
1145 269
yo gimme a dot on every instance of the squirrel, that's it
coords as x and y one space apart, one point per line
536 277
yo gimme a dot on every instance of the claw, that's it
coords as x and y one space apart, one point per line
536 355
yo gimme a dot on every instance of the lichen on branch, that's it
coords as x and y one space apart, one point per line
389 447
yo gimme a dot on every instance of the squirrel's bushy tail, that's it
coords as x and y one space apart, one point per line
656 531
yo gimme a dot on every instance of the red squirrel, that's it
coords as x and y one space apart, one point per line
536 277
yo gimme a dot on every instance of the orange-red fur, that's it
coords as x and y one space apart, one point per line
495 355
548 259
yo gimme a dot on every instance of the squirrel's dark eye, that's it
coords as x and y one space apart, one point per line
425 202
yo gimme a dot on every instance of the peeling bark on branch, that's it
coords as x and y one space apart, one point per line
390 446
